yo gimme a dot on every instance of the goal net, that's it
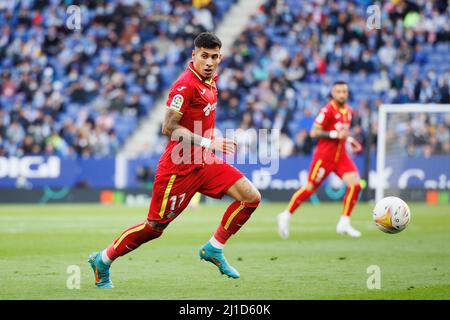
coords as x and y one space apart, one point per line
413 152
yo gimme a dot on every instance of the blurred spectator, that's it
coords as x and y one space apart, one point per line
145 176
303 143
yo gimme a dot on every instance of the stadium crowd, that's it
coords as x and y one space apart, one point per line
423 135
81 92
282 65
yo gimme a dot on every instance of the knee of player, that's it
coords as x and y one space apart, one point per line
156 226
257 197
254 198
352 179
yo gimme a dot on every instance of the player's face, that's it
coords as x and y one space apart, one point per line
206 61
340 93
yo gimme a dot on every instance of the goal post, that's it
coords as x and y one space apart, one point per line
403 111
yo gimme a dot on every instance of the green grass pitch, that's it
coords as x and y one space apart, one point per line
38 243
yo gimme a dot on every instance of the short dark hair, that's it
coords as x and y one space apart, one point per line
339 82
207 40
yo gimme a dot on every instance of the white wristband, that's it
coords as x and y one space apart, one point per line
334 134
206 143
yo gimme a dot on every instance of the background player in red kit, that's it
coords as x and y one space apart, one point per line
332 128
189 165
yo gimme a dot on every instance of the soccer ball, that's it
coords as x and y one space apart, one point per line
391 214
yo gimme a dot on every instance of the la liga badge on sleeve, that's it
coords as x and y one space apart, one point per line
177 102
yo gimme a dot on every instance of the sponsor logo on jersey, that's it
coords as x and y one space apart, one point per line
207 110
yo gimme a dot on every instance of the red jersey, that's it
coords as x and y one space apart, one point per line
196 99
331 117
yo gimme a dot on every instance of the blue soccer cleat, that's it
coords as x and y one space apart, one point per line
215 256
101 271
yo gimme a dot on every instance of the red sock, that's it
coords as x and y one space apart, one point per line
350 199
300 196
131 239
234 218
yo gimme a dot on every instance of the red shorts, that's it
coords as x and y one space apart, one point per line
172 193
321 168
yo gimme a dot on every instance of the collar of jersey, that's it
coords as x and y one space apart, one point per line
191 67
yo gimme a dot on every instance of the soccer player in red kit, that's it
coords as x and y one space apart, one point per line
189 165
331 127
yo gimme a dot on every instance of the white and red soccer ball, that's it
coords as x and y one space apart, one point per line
391 215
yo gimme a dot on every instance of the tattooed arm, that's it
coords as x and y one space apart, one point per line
172 128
